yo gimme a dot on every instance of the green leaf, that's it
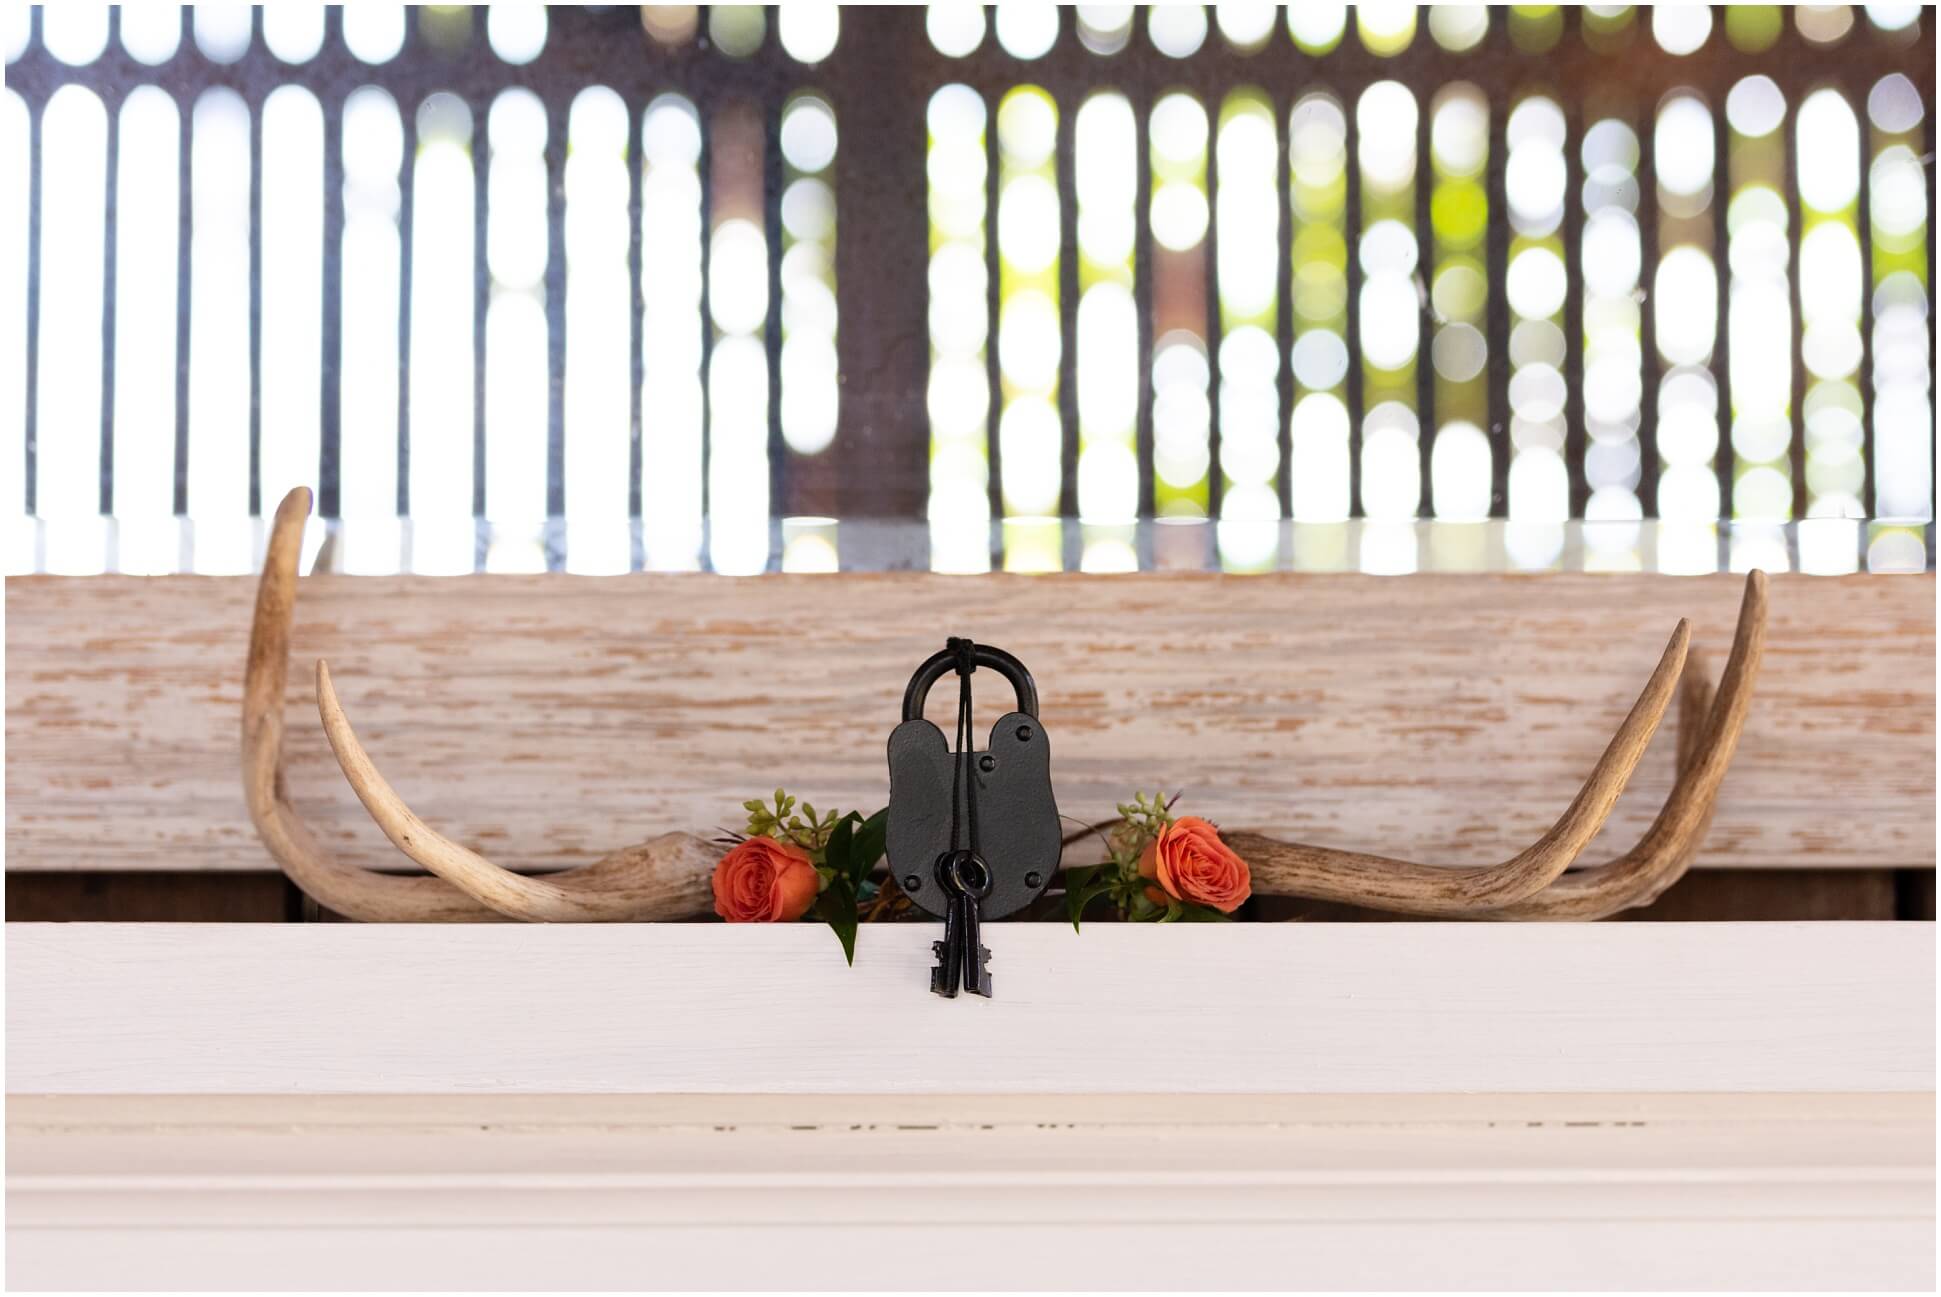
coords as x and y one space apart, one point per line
1082 887
837 908
1202 914
869 839
840 848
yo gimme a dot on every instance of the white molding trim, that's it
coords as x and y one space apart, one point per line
1248 1106
793 1191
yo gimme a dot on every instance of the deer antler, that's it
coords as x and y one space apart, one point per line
1533 884
1322 873
663 879
1708 735
666 878
350 891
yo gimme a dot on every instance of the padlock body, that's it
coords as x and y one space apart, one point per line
1017 822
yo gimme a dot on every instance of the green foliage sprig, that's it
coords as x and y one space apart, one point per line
1117 879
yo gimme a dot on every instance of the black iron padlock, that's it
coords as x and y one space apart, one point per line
996 803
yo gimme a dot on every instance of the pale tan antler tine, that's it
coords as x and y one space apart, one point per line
348 890
1402 886
666 878
1670 845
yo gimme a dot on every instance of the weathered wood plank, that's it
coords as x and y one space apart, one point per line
544 720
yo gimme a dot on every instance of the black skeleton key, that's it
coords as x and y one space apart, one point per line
946 977
977 978
961 955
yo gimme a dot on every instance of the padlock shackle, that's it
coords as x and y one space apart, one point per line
944 662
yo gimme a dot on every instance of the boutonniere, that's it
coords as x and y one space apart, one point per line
791 861
1160 868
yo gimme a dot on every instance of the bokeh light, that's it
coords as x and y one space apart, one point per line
148 179
1611 254
1681 28
737 30
220 331
1027 29
1759 318
516 32
808 29
373 147
739 380
440 378
1461 458
517 333
1317 27
1458 27
959 395
1319 435
1246 24
955 27
374 31
670 25
290 292
150 33
1535 283
1030 342
1390 305
294 32
1104 29
1247 229
1386 27
73 196
1752 29
1900 308
222 31
1831 287
1181 375
1176 30
671 334
810 371
1106 179
1823 24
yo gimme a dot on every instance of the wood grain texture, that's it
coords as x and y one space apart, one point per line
672 1008
544 721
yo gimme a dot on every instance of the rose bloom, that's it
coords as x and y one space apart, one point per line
1190 863
764 881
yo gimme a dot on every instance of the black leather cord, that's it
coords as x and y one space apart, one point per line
963 782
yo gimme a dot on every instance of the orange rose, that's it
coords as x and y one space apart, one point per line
764 881
1190 863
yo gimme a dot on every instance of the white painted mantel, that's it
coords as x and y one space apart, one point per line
1287 1105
